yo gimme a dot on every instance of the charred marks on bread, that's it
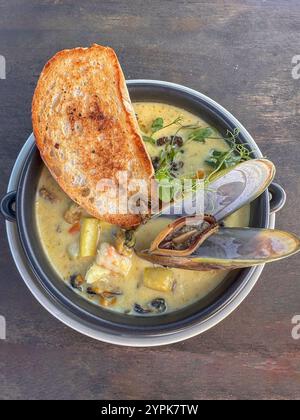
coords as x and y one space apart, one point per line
97 116
73 116
94 114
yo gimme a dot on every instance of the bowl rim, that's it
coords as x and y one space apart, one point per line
150 340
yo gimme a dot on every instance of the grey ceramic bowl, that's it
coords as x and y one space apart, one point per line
18 207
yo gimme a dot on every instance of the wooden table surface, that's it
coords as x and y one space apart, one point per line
239 52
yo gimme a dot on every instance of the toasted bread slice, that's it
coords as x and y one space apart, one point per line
86 129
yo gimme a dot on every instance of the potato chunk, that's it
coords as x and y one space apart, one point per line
89 237
96 273
157 278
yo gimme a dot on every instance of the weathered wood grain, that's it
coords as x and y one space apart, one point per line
238 52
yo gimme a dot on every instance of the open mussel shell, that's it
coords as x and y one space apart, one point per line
233 189
184 236
233 248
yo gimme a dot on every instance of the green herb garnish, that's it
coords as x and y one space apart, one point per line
158 124
167 161
164 173
175 122
150 140
197 133
200 134
223 160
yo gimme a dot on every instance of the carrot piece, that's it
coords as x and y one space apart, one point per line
200 174
74 229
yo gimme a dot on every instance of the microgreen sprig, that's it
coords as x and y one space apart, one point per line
158 125
222 160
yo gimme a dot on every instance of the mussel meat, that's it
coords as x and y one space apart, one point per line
184 236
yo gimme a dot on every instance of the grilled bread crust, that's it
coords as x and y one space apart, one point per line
86 129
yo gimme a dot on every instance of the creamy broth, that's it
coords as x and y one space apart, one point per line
195 153
56 238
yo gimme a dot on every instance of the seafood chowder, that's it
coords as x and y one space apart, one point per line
98 260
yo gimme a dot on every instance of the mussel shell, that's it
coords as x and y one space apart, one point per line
233 189
199 229
233 248
228 191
